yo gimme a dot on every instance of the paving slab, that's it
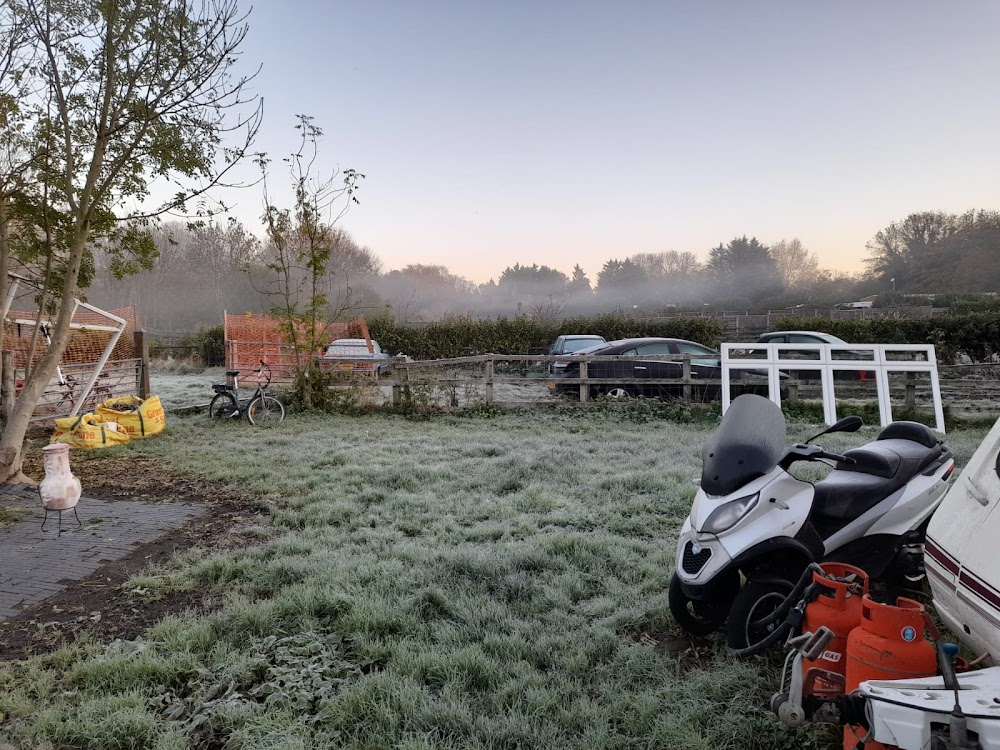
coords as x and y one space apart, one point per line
36 564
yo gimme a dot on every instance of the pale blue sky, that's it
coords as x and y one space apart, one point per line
571 132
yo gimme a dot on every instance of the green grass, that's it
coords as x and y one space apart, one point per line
11 515
458 582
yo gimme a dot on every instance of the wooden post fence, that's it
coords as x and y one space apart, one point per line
488 374
142 351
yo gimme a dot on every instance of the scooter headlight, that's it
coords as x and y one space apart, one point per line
725 516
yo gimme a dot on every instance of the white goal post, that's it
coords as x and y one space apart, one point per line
826 359
116 327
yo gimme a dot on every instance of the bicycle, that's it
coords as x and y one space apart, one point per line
260 407
97 395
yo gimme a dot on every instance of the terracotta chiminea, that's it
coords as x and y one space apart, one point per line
60 490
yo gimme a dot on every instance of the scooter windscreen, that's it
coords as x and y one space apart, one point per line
746 445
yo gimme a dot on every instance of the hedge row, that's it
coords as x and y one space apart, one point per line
975 336
522 335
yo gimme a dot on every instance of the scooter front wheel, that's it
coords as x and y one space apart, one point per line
702 616
754 603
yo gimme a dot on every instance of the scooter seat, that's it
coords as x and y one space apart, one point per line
891 458
880 468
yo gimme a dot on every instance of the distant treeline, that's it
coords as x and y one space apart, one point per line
204 269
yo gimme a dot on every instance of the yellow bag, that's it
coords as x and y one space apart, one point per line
146 420
87 431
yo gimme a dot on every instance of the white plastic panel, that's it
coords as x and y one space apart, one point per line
884 358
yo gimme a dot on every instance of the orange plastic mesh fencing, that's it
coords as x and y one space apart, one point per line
254 337
86 345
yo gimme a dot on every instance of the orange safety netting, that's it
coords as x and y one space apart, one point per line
254 337
86 345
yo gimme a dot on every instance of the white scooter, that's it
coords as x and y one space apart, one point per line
752 519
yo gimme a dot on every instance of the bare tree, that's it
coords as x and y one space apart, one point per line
799 268
418 291
124 94
302 241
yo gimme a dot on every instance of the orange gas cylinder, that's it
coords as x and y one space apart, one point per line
889 644
838 607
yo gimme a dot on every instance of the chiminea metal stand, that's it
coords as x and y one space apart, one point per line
79 523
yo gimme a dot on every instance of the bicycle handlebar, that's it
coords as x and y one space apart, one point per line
260 372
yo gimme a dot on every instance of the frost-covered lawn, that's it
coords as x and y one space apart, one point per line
181 387
458 582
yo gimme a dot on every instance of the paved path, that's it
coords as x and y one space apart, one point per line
36 564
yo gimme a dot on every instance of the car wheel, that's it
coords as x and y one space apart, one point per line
618 393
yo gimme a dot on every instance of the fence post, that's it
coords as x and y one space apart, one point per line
489 379
397 389
793 391
584 386
7 386
910 400
142 349
686 370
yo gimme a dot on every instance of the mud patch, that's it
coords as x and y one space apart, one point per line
686 652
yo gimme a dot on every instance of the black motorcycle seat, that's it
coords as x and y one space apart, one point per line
918 433
880 468
889 458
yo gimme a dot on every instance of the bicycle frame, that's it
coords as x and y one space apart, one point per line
243 403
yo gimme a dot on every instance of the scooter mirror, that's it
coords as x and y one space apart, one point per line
847 424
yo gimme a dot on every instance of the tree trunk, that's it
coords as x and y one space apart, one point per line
12 442
4 261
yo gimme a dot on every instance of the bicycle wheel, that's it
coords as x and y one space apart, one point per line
223 405
265 410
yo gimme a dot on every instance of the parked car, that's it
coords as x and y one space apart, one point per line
571 344
355 356
705 365
815 337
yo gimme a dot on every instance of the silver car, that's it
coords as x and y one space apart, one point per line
356 356
571 344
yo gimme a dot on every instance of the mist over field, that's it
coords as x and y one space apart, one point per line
204 270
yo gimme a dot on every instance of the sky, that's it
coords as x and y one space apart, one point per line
567 132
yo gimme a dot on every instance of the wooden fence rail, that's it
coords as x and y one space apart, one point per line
490 372
409 374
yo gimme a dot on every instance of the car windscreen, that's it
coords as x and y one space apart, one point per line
350 349
747 444
575 345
